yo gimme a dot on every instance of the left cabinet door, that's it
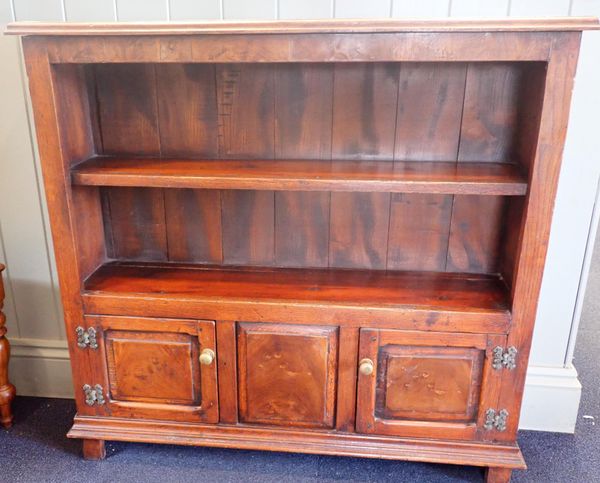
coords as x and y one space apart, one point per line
153 369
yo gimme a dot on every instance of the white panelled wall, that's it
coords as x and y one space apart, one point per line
40 366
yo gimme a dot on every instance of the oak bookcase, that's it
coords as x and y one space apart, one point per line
322 236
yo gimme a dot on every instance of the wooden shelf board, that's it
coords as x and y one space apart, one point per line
430 300
304 26
301 175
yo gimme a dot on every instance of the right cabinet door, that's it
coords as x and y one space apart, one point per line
426 384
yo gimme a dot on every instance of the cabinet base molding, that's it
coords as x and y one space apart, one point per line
298 441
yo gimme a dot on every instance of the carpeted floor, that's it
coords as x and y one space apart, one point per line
36 450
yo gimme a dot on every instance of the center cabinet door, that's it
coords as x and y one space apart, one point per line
152 368
426 384
287 374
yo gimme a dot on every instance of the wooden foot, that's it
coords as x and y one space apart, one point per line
7 390
94 449
497 475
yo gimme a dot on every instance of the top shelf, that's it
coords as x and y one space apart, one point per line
305 26
299 175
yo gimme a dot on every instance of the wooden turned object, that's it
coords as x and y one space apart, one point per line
7 390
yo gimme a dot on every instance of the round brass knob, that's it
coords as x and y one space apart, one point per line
366 366
207 356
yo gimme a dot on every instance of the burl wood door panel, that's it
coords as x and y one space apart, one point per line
435 385
287 374
151 368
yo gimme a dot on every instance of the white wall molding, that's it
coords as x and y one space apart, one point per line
40 367
551 399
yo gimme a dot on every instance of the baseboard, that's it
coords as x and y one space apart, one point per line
551 400
40 367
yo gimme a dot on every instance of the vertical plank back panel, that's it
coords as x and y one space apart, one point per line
193 224
187 110
490 118
138 223
475 234
430 104
301 229
127 109
248 227
359 230
303 111
364 121
245 94
303 117
364 110
419 230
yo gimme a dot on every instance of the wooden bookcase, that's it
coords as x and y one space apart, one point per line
323 237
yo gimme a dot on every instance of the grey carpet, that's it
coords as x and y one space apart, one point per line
36 450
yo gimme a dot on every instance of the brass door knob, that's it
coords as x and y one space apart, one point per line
207 356
366 366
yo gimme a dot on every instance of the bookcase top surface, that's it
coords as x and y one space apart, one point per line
305 26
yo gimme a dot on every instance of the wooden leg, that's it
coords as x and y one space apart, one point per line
497 475
7 390
94 449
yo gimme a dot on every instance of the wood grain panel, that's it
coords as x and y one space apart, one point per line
490 119
248 219
246 110
428 383
227 365
153 367
305 175
127 108
430 104
359 230
187 110
419 230
302 229
193 224
476 234
303 111
348 363
364 110
287 374
137 223
75 109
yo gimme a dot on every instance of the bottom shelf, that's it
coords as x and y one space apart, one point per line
426 300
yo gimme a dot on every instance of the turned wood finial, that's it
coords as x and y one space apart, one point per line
7 390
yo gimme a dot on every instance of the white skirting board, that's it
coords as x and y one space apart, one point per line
551 400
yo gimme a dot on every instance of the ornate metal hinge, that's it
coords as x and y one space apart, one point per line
86 338
495 420
93 395
506 359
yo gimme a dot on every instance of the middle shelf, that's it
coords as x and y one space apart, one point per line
405 300
468 178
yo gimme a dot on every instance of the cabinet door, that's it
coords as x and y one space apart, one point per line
426 384
152 368
287 374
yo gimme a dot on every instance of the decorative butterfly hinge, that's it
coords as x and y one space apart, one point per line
495 420
86 338
93 395
506 359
